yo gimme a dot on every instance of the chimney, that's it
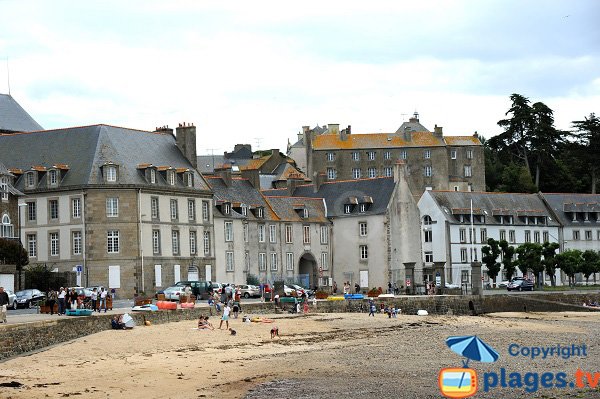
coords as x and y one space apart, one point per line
293 181
415 118
437 132
186 141
318 181
253 177
344 133
407 133
334 128
224 173
164 129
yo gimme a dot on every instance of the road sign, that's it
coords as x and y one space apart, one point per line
79 268
408 282
481 278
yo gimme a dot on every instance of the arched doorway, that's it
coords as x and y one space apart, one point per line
307 270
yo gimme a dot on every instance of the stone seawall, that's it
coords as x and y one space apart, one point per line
18 339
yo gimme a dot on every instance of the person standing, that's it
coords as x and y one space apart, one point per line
51 301
225 317
372 308
73 299
3 304
94 298
334 287
61 301
356 288
102 300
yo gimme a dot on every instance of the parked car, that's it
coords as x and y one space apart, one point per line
503 284
520 285
201 289
29 298
249 291
307 291
174 293
288 289
217 287
12 300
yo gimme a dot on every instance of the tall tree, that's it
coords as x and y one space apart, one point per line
588 146
530 258
550 264
490 255
590 264
544 139
508 253
570 263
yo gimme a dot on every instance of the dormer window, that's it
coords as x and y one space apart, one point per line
152 176
189 179
348 208
30 179
259 212
244 210
4 188
52 177
305 213
111 173
363 208
226 208
171 175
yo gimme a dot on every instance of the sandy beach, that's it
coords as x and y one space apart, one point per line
333 355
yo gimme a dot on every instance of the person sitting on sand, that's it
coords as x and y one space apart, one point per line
204 324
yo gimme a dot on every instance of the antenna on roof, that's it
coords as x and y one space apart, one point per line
403 117
258 140
212 153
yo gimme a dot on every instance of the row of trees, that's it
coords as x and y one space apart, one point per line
539 258
532 155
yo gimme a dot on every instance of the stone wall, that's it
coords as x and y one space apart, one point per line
16 339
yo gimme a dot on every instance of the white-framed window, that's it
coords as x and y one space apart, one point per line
261 232
171 174
262 261
190 179
6 227
31 211
260 212
154 207
112 207
372 172
463 255
228 231
387 171
272 233
463 235
527 236
32 245
4 188
536 236
427 154
111 174
53 205
305 213
324 235
348 208
30 179
502 235
427 221
483 233
387 155
453 154
355 156
468 171
273 261
469 154
546 236
428 171
371 155
428 235
403 154
156 242
325 260
152 176
207 243
244 210
289 233
229 261
227 208
175 241
331 175
588 235
576 235
356 173
191 209
306 235
53 177
330 156
76 242
193 243
205 210
246 235
112 241
76 208
174 209
364 252
289 261
362 229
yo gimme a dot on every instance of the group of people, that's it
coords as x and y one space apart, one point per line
347 288
69 299
392 311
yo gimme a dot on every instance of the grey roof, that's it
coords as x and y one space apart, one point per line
86 149
241 191
208 163
413 125
290 209
13 118
490 205
564 205
338 193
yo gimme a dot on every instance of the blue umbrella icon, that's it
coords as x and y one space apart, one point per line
473 348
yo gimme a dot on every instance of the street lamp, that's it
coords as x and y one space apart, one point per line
20 240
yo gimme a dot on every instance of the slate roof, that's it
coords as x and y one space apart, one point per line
338 193
454 203
375 140
84 150
206 162
14 118
412 125
240 191
289 208
462 140
563 206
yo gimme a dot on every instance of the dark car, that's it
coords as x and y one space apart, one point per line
29 298
201 289
520 285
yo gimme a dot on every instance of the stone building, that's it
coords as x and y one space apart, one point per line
273 238
9 224
374 237
124 207
434 161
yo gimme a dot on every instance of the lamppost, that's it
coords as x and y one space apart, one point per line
19 206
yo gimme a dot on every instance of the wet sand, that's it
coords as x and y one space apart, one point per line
319 355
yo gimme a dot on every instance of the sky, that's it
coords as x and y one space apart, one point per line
255 72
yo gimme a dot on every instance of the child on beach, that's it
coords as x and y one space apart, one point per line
225 317
204 324
372 309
